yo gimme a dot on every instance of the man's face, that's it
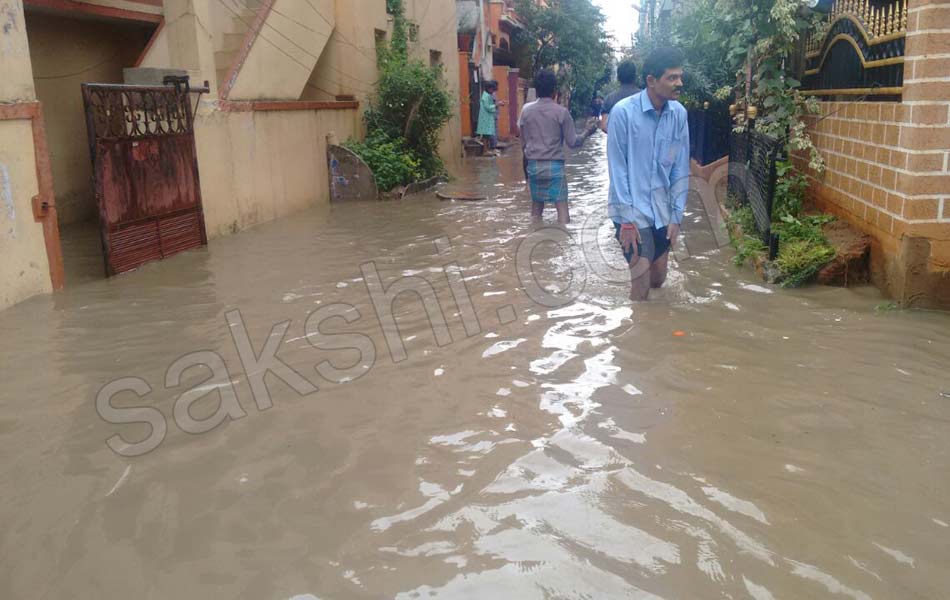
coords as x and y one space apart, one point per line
668 86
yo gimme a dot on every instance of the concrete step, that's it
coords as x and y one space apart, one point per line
232 42
222 74
223 66
246 14
241 18
224 59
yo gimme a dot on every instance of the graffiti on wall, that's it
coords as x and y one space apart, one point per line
350 177
6 194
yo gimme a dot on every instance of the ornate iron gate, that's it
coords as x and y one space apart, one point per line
142 143
860 54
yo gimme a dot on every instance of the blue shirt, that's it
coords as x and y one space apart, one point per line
648 160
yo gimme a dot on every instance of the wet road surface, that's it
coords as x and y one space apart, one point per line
792 444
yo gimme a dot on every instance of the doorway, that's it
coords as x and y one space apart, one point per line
69 48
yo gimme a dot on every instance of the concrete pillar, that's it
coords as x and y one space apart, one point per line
924 179
16 84
24 269
190 41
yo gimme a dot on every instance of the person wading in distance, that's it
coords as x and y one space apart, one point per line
627 76
546 127
648 161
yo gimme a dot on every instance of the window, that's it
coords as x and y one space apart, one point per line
435 58
413 32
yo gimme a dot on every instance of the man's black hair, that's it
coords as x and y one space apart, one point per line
491 85
627 72
546 83
661 60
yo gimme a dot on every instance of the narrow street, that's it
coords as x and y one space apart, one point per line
725 440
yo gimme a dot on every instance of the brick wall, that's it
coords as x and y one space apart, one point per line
887 166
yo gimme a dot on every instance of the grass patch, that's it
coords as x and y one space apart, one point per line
803 248
800 260
748 247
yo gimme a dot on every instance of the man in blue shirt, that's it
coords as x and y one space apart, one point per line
648 160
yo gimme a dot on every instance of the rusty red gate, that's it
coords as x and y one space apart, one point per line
142 143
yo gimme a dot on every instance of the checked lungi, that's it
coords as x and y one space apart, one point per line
547 180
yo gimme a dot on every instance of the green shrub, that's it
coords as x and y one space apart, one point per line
389 159
800 259
790 188
747 244
412 102
743 218
803 248
807 227
748 248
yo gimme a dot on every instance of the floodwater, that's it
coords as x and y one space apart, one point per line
790 444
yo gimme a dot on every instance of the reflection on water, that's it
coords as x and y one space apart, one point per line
791 444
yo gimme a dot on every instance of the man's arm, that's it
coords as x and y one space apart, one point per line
524 142
617 152
679 174
605 116
570 133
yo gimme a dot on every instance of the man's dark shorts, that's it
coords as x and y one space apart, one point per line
652 245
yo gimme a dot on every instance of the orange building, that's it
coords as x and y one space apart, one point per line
486 31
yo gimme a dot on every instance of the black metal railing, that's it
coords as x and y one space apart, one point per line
709 131
752 174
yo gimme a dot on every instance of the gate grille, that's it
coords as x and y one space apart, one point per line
146 173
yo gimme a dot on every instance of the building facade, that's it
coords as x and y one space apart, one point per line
883 74
487 51
283 76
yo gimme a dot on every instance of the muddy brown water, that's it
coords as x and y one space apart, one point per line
792 444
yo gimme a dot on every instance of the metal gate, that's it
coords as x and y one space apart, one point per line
752 177
142 143
474 95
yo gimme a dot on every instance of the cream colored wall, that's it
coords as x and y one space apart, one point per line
66 53
348 63
437 31
158 55
259 166
24 270
222 14
16 84
255 166
286 50
188 40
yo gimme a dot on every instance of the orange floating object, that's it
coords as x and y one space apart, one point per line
679 334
